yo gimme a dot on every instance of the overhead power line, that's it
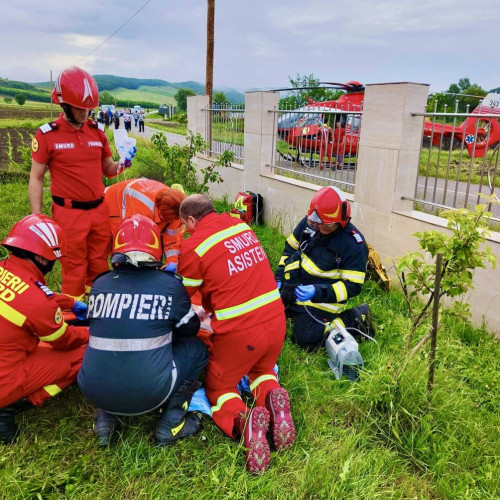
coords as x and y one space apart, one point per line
114 33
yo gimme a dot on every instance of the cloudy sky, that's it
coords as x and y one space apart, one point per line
258 43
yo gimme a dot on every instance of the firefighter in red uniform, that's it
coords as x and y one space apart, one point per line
154 200
225 261
31 372
77 153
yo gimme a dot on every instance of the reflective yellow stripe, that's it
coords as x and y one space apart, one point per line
52 389
223 399
283 260
311 268
292 266
340 291
354 276
336 321
56 334
292 241
204 247
10 314
346 274
261 379
79 297
249 305
339 322
323 306
190 282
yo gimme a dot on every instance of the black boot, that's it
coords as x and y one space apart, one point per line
175 421
363 322
8 427
104 425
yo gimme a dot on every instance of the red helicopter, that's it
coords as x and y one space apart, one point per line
477 135
319 129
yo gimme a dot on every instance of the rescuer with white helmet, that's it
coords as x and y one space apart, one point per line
77 153
322 266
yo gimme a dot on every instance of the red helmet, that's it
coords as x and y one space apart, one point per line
76 87
139 238
37 234
329 205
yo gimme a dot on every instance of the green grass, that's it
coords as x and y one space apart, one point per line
381 438
174 129
461 165
162 95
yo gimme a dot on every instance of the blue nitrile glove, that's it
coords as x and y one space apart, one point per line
171 267
279 285
130 155
80 310
305 292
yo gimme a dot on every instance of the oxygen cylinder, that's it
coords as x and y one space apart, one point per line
344 355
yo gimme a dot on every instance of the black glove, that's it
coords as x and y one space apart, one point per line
288 294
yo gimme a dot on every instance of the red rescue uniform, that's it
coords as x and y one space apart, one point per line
30 313
225 261
75 160
137 196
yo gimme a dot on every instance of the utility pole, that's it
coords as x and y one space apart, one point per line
209 72
51 105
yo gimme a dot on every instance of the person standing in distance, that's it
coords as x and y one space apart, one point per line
77 153
225 261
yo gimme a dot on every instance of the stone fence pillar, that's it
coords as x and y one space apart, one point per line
389 147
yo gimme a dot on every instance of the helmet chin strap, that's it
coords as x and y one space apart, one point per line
69 113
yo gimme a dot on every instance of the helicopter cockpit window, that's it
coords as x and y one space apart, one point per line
354 122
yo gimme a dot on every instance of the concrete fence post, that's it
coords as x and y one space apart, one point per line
197 117
260 140
389 146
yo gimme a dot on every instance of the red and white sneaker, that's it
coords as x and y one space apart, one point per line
282 426
254 436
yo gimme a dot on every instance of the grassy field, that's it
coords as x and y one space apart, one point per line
381 438
161 95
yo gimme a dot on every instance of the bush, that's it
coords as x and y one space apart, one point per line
20 99
8 100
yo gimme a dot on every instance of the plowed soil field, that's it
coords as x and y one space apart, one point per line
12 140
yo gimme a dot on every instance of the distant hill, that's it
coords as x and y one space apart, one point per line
112 83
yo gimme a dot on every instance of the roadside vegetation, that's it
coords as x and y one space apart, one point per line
384 437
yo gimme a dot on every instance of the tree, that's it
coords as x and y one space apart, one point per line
181 98
106 98
461 92
463 250
297 98
20 99
220 98
8 100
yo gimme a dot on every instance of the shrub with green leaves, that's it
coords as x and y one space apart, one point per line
463 249
180 168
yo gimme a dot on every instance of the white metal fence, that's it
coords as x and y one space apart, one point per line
224 126
459 158
317 144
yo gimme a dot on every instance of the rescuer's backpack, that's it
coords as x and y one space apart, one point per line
248 207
